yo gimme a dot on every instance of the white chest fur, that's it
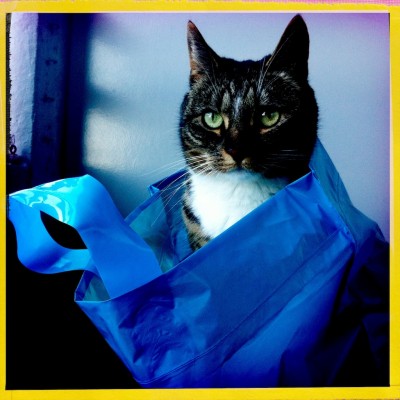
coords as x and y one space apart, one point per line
219 201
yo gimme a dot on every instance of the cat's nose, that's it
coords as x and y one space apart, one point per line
235 153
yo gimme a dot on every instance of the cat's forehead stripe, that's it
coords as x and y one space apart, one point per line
226 101
236 99
250 95
237 104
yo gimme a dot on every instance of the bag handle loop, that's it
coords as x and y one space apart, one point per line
117 252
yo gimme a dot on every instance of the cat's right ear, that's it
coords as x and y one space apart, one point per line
202 58
292 52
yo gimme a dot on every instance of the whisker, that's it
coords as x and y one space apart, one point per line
170 196
166 167
177 164
259 83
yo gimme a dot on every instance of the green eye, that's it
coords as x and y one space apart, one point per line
213 120
269 119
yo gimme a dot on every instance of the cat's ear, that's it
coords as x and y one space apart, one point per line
291 54
202 58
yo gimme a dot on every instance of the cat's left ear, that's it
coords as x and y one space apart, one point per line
203 59
291 54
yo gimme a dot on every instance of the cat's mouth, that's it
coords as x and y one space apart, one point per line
206 164
244 168
229 163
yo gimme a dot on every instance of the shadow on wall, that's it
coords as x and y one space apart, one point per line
51 344
137 76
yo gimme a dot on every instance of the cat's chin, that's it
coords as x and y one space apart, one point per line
241 173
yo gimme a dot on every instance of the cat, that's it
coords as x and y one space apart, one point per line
247 129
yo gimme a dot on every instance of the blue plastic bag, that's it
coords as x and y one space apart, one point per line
294 294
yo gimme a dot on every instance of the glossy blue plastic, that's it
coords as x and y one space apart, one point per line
291 295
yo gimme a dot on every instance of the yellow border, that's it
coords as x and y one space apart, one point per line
83 6
2 200
86 6
395 199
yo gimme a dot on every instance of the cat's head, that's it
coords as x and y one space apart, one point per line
258 116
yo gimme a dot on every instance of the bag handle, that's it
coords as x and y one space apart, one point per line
118 255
